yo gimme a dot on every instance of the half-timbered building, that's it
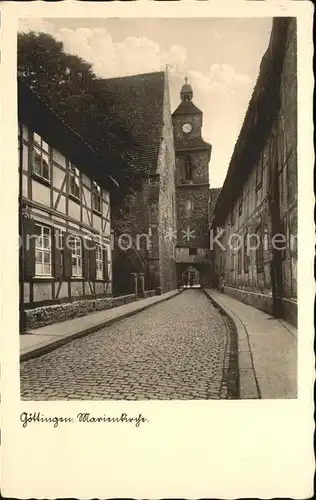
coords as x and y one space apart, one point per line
256 211
65 230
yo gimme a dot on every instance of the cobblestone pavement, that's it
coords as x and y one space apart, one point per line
178 349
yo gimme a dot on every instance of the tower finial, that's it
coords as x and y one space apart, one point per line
186 93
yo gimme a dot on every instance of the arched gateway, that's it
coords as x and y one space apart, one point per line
194 275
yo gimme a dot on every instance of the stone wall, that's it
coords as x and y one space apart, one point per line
167 200
196 217
259 300
42 316
264 302
200 161
196 122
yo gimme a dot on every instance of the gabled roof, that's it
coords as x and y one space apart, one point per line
138 102
35 113
185 108
261 112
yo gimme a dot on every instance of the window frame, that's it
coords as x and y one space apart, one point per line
153 213
78 256
259 250
239 260
75 177
246 256
240 202
60 237
96 193
41 151
188 174
189 205
43 250
99 262
259 174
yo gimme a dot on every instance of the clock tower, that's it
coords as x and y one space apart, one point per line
192 188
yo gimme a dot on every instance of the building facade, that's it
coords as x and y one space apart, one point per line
65 230
192 190
142 104
255 217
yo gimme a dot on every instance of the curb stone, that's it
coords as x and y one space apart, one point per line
248 385
45 349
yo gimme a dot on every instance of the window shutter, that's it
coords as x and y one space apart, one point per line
67 258
86 254
93 263
29 248
105 265
57 255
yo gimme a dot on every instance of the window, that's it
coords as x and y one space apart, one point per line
241 200
74 181
41 158
43 251
99 262
259 173
153 213
75 245
188 169
189 205
246 256
239 260
193 251
96 197
259 249
60 246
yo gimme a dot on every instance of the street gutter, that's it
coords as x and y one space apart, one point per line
248 383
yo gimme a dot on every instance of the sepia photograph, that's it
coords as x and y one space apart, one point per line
158 208
157 255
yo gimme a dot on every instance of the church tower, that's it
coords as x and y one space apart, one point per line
192 186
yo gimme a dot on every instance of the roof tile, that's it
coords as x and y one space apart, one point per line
138 102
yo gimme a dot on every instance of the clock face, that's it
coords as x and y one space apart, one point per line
187 127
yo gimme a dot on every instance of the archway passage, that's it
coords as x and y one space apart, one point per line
193 276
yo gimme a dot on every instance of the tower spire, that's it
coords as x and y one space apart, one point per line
186 93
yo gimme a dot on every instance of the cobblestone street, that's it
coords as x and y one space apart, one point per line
179 349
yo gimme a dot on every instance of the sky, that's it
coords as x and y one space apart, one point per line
220 56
